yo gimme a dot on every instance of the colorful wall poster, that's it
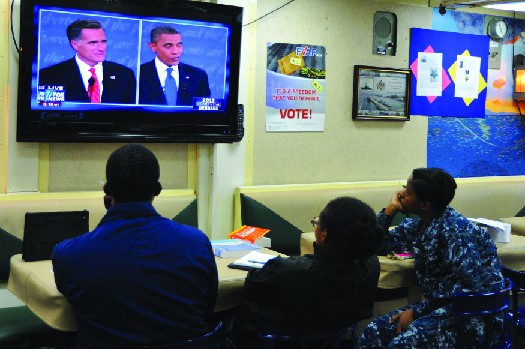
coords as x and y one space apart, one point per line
449 73
295 88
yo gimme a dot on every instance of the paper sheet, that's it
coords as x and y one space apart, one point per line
254 259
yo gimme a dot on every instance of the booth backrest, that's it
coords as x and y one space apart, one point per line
288 209
180 205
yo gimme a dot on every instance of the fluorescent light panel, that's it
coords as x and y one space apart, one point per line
514 6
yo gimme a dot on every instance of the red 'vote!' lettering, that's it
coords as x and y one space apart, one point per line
296 113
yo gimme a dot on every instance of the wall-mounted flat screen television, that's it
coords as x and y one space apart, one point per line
129 71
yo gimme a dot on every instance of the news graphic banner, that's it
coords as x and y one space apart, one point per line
295 88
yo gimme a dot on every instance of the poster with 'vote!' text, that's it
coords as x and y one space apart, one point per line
295 88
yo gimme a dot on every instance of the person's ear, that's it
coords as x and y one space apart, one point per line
74 44
106 189
108 200
426 206
322 235
158 189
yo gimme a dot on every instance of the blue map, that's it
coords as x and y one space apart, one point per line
493 144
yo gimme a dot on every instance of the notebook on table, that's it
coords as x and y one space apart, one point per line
43 230
252 260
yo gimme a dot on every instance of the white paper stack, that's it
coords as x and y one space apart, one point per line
263 241
254 259
498 231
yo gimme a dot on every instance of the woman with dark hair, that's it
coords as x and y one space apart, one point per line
451 255
325 291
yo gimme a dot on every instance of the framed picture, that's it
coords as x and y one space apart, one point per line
381 94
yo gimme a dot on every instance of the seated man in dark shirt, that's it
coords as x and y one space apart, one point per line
328 290
138 278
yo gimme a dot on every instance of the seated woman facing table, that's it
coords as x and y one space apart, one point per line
328 290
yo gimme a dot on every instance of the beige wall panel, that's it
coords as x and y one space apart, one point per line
79 167
347 150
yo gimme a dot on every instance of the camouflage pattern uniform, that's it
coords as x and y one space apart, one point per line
451 255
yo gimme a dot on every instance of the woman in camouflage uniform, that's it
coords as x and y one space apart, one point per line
451 255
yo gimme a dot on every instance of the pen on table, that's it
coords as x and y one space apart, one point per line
257 262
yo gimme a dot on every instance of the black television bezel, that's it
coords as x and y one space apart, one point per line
128 124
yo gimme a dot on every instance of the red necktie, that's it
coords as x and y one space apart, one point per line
93 87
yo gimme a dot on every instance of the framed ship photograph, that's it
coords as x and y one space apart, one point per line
381 94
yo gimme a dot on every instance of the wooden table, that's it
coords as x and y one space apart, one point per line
34 284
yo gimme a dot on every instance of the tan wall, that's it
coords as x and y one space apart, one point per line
346 150
81 167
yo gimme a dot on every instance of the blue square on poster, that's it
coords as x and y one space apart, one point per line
450 45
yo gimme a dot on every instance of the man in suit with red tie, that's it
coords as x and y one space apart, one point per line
166 80
88 77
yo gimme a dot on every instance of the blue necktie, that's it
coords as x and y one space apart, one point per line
170 88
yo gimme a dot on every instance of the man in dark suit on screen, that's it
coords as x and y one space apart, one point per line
165 80
88 77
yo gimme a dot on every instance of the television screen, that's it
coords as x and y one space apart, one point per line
106 71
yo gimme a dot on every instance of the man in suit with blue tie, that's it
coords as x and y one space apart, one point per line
88 77
165 80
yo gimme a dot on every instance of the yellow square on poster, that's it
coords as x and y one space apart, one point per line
291 63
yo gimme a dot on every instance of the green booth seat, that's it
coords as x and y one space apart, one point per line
284 235
188 215
19 327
